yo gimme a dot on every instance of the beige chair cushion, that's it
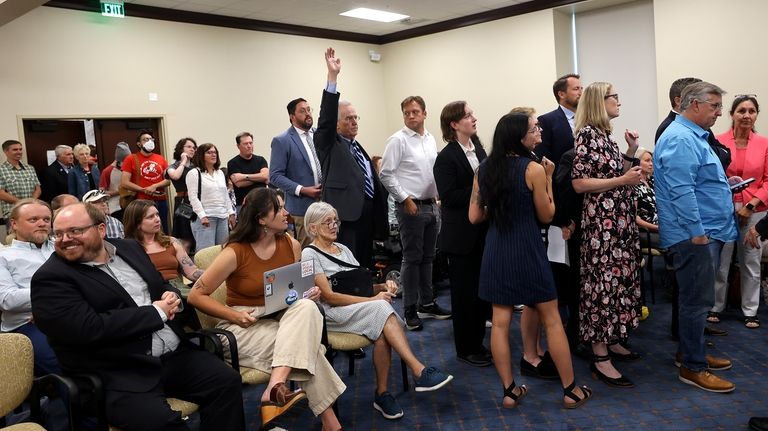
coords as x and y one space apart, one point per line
347 341
185 407
16 365
28 426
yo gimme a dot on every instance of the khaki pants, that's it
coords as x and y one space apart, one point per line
301 233
291 339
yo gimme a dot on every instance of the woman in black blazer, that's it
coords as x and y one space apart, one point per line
461 241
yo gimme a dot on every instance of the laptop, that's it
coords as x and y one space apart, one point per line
285 285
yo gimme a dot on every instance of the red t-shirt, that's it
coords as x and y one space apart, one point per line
151 169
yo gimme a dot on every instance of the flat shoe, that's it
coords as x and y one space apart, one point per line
713 317
578 401
752 322
280 395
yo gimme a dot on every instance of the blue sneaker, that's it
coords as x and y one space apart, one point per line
387 405
432 379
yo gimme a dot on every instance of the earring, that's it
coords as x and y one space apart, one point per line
265 229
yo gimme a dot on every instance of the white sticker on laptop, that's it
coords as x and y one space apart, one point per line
307 268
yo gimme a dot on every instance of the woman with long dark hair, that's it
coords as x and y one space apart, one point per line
514 193
177 172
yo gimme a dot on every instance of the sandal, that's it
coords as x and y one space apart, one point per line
578 401
752 322
516 397
713 317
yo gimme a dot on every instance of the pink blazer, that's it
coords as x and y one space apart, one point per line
755 166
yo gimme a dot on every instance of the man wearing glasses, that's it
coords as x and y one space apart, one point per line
144 173
106 310
695 218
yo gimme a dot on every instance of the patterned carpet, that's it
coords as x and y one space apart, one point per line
472 401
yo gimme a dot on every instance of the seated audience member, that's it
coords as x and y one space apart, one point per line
31 221
646 217
142 223
107 311
62 201
110 179
177 172
372 317
99 199
209 197
83 176
283 344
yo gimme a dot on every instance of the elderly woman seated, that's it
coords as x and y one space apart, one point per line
372 317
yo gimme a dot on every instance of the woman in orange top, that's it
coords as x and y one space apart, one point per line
284 344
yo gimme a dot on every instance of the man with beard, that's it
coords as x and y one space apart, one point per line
143 173
106 310
557 126
31 220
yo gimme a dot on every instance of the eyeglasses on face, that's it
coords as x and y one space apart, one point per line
715 106
535 129
745 96
332 223
211 152
304 111
614 95
75 232
351 118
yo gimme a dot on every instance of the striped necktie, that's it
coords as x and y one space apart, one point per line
360 158
311 146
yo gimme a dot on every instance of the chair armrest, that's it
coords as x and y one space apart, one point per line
208 341
231 341
55 386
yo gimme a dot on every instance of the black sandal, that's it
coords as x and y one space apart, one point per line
510 392
752 322
568 392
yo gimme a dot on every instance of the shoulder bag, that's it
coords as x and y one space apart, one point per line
184 208
357 281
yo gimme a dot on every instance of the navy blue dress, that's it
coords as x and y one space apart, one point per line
515 267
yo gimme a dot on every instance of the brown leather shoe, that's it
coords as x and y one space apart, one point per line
281 399
713 363
705 380
280 395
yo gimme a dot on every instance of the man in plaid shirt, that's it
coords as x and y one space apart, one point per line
17 181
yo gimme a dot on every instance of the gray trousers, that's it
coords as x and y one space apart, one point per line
418 234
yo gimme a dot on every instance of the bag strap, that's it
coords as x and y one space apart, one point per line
333 259
199 184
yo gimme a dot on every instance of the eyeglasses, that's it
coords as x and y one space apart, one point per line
332 223
745 96
75 232
614 95
305 111
351 118
211 152
715 106
535 129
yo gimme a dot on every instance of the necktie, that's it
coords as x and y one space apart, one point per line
362 163
316 160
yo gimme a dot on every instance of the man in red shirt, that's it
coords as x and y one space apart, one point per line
143 173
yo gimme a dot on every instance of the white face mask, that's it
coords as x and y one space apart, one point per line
149 146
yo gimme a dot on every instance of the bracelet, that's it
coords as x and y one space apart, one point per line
630 159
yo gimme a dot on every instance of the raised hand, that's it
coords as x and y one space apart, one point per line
332 62
631 136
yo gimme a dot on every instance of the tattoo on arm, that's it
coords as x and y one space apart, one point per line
199 284
196 275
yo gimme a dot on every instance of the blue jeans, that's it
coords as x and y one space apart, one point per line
418 233
45 359
695 267
216 232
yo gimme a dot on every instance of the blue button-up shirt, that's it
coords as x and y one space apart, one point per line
692 193
17 265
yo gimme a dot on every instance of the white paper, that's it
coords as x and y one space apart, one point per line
558 249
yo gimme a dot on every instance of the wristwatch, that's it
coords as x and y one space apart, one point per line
750 207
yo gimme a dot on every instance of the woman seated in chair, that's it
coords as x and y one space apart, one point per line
285 344
372 317
647 219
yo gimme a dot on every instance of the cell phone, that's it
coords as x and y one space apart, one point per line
742 184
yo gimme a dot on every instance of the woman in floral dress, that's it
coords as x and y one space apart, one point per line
610 251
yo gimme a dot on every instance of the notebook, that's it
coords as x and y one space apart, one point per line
285 285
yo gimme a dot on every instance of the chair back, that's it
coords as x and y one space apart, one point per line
16 366
203 259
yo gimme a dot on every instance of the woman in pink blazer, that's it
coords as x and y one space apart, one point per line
749 152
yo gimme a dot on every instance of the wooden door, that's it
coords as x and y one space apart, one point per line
40 136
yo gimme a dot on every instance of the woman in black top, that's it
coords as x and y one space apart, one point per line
177 173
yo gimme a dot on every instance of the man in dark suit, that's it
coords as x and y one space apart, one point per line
53 181
295 166
106 310
557 126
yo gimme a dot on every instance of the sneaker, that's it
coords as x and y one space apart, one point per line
412 321
433 311
387 405
713 363
705 380
432 379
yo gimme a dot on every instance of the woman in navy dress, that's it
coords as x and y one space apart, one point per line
514 193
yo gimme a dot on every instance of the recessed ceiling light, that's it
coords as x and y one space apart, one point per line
374 15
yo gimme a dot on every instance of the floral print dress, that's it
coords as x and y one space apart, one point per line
610 249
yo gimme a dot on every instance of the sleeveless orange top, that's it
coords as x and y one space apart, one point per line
165 262
245 286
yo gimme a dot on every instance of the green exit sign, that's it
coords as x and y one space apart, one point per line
113 8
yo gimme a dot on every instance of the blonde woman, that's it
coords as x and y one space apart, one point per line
83 176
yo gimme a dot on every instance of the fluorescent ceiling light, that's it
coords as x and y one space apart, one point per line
374 15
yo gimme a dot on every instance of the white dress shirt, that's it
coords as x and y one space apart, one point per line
406 166
214 199
17 265
310 134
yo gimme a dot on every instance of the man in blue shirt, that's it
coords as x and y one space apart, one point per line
695 218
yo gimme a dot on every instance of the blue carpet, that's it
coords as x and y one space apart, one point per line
659 402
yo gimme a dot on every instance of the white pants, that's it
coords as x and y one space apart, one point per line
749 266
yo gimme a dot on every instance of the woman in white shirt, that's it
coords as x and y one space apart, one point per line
207 192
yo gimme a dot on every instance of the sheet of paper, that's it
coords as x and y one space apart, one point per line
557 250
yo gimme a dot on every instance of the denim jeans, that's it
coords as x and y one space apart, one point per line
695 267
418 233
216 232
45 359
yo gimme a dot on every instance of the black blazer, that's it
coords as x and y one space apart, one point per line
454 177
556 135
93 324
53 181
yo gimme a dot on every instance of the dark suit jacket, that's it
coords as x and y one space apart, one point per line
454 176
556 135
291 166
93 324
53 181
721 151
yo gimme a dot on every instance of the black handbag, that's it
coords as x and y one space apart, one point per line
184 208
357 281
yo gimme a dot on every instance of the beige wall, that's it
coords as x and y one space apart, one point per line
718 41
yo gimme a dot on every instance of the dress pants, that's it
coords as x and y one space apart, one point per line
357 235
418 233
469 312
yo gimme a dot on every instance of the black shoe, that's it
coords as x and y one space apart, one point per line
475 359
545 370
583 351
758 423
628 357
708 330
619 382
412 321
433 311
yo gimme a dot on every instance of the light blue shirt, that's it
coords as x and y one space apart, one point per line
17 265
692 193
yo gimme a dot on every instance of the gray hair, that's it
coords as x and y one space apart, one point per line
315 214
641 152
60 149
80 148
342 103
698 91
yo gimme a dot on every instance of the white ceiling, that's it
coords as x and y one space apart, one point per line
325 13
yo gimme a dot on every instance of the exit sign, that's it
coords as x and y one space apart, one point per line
113 8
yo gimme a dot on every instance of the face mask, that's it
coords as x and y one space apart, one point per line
149 146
